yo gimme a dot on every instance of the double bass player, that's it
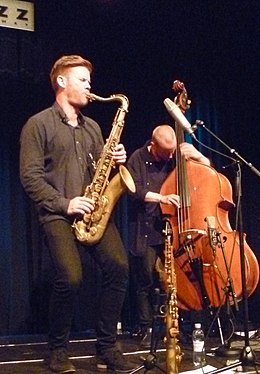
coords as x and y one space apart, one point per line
149 166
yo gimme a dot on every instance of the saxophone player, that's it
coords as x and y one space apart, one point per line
58 148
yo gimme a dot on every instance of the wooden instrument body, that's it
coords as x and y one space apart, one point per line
210 196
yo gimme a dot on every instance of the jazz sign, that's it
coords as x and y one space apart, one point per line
17 14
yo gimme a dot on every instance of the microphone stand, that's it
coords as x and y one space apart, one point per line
150 362
225 350
247 356
231 150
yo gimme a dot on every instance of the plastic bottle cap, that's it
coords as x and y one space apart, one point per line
197 325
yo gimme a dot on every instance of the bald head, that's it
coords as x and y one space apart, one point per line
163 143
164 136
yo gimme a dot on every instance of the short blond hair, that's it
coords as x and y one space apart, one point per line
66 62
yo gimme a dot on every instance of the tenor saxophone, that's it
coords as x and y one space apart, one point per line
173 350
104 192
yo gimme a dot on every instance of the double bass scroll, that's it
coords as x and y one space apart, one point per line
202 272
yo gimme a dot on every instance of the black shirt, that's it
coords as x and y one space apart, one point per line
56 160
145 218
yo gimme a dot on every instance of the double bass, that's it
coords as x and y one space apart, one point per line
206 248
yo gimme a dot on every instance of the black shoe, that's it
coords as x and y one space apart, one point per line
59 361
147 339
114 360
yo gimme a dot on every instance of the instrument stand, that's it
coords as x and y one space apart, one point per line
224 350
247 358
150 362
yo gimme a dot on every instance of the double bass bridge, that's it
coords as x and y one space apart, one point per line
187 240
190 236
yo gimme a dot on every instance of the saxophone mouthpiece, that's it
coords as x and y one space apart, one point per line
90 96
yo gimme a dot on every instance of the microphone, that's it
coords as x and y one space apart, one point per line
178 116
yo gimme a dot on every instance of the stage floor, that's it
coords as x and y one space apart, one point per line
27 354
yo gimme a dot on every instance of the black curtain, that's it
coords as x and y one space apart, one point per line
137 48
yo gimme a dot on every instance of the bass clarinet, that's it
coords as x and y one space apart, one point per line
173 351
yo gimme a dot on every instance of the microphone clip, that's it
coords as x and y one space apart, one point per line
197 123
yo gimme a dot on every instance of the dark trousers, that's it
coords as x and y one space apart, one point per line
110 255
146 279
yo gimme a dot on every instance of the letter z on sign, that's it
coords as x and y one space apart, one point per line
17 14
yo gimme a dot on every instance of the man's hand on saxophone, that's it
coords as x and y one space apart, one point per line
80 205
119 154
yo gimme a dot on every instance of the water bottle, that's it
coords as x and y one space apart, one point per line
198 340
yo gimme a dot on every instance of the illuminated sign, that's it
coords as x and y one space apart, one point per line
17 14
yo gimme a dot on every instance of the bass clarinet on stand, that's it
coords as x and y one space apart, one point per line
173 351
